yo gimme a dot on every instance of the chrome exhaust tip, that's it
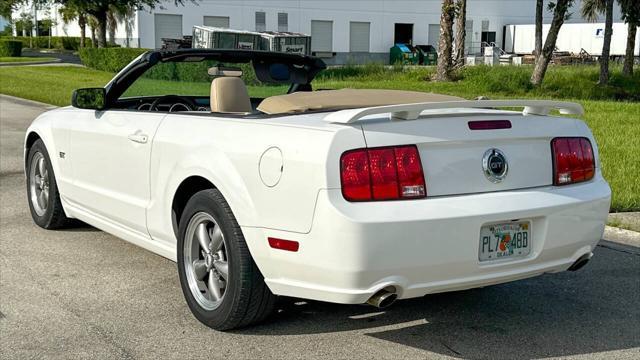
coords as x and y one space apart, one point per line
581 262
383 298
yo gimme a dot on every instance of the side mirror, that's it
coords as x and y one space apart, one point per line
89 98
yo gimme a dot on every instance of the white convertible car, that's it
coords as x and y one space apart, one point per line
347 196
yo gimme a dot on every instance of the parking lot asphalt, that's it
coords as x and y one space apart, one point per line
82 293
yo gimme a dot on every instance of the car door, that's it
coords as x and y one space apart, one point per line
110 155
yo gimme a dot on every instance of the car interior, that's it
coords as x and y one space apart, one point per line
228 95
223 90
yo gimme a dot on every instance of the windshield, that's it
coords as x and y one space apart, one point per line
192 79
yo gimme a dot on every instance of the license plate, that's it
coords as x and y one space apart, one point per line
507 240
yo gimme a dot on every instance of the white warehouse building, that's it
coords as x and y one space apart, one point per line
342 30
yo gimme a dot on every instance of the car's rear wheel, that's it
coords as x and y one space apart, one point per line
220 281
42 189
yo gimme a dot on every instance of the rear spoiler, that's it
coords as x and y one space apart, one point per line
413 111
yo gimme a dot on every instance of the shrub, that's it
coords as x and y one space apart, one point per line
108 59
42 42
114 59
195 71
10 48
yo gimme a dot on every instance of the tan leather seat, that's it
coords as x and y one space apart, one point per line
230 95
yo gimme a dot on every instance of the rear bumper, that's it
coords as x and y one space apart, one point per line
428 246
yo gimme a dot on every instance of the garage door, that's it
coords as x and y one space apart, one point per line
167 26
321 35
216 21
359 36
434 35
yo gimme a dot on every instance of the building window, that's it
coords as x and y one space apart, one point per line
261 21
359 33
321 36
216 21
283 22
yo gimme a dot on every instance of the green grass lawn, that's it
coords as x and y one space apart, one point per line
615 124
25 59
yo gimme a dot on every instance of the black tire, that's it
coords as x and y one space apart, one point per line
247 299
53 216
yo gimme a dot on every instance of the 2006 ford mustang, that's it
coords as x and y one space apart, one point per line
348 196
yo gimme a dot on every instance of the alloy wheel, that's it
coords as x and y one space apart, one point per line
39 183
205 260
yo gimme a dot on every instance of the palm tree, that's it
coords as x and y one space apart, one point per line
461 32
93 25
112 26
590 10
69 13
445 47
542 59
631 16
117 15
539 8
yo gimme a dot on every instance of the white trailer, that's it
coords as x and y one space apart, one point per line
520 39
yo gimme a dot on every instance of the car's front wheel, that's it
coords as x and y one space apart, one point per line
220 281
42 189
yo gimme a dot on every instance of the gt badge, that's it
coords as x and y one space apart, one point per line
495 166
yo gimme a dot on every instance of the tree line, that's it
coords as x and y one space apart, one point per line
454 11
101 16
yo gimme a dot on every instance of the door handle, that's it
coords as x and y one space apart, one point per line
138 137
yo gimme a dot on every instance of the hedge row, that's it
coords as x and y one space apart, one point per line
195 71
42 42
108 59
10 48
114 59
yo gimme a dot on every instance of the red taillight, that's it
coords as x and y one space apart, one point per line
386 173
573 160
281 244
355 174
410 175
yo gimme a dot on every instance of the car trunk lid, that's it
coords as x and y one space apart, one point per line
457 159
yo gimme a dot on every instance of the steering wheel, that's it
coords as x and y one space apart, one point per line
177 101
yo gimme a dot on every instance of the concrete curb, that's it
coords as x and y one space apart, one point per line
26 63
4 97
621 236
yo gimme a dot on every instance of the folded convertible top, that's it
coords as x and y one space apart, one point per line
345 99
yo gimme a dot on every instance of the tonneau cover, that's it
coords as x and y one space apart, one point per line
345 99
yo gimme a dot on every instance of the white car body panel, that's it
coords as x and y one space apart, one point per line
348 251
110 171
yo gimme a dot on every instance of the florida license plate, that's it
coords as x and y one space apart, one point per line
507 240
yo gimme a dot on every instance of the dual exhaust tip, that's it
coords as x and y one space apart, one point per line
384 298
387 296
581 262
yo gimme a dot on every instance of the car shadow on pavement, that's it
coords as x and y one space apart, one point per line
592 310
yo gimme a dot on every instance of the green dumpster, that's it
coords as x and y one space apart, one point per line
428 54
403 54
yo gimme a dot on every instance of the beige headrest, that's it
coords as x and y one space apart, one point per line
229 95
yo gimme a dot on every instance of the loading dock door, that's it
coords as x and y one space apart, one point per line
489 37
434 35
167 26
321 36
359 33
403 34
468 38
